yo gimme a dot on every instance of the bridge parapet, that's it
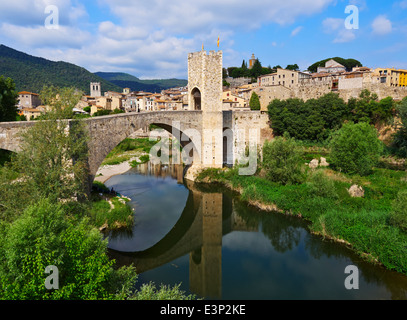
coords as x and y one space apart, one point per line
10 134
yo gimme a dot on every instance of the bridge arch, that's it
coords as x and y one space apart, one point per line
107 132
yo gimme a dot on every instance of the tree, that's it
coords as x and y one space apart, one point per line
256 70
400 138
355 148
282 161
254 102
293 67
8 100
367 108
52 162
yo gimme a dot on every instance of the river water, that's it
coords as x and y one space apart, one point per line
218 247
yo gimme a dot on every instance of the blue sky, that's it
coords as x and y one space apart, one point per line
152 39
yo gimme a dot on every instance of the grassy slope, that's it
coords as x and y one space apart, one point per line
361 223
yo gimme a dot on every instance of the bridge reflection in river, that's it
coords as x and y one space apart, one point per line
206 218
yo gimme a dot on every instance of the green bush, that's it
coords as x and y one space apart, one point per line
282 161
398 215
400 138
254 102
320 185
355 148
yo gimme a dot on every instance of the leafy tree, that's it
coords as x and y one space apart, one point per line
256 70
355 148
52 162
282 161
302 120
8 100
333 110
254 102
293 67
400 138
367 108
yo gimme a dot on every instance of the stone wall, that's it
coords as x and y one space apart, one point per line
349 88
241 127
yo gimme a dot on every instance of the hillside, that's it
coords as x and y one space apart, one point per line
125 80
32 73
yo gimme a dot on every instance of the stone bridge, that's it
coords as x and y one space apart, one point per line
106 132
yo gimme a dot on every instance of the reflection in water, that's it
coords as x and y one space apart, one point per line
218 247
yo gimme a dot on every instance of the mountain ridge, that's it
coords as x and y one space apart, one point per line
126 80
31 73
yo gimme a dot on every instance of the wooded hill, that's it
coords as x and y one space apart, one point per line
33 73
125 80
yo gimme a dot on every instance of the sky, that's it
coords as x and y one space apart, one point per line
152 39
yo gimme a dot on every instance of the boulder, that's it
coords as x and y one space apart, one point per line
356 191
313 164
323 162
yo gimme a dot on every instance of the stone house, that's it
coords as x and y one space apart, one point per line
28 100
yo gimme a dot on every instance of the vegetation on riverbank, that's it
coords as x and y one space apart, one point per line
129 149
109 211
374 225
323 200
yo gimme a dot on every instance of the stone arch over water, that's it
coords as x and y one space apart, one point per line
107 132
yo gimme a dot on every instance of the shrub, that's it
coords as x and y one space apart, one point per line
281 161
320 185
398 215
254 102
400 138
355 148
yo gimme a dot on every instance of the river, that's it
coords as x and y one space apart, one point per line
218 247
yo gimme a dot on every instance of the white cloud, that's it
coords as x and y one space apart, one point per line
200 15
381 25
337 26
296 31
403 4
32 13
146 38
40 36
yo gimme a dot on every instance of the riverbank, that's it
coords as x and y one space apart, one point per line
126 155
362 224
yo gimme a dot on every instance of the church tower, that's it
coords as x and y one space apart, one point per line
95 89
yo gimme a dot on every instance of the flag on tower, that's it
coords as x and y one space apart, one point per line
218 41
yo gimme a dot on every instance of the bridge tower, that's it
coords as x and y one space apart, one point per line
205 95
